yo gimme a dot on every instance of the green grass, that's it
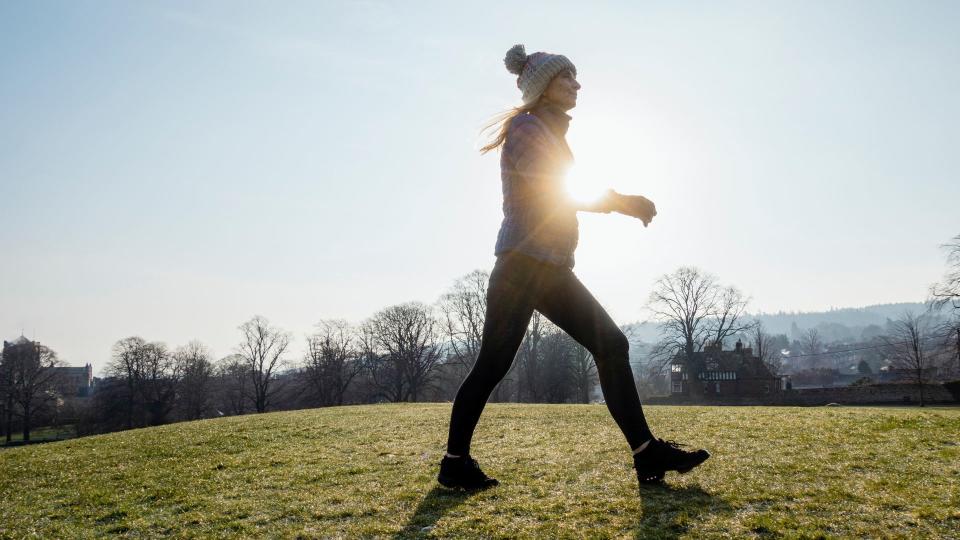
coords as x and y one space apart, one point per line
368 471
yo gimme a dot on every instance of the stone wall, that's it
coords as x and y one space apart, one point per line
875 394
896 393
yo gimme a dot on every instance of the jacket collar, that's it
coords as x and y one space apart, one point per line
556 119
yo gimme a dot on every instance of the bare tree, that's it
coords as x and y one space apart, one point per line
763 346
729 315
529 361
811 345
550 366
407 349
150 377
693 311
464 307
145 369
233 380
947 291
125 365
949 332
29 369
908 349
583 371
262 348
368 387
159 383
650 380
332 361
196 375
557 350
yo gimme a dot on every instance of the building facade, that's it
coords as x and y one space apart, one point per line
68 381
74 381
715 373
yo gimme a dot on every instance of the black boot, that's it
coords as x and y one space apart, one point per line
661 456
463 472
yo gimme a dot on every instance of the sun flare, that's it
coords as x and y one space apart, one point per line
584 188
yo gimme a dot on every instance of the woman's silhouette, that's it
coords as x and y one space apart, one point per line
533 271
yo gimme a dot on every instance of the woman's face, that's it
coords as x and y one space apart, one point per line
562 90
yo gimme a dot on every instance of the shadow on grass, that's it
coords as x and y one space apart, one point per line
668 511
434 505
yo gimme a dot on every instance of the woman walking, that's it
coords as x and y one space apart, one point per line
533 271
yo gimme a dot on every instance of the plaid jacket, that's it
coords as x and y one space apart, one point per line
539 220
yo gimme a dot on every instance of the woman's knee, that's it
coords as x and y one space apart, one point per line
614 349
489 370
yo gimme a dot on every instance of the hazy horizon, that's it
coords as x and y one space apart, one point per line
170 170
298 345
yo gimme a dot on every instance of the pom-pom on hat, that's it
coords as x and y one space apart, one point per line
534 72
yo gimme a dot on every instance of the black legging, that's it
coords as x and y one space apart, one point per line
518 285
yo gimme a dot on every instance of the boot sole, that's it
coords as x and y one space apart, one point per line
659 473
448 482
654 479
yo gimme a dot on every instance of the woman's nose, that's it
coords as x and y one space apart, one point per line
576 85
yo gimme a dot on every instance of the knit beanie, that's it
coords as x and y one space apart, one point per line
534 72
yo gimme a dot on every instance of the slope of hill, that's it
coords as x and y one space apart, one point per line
368 471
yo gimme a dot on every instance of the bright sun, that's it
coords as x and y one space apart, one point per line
596 168
606 158
584 188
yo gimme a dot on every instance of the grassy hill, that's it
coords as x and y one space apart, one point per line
565 471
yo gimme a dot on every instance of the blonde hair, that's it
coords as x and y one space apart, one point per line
500 124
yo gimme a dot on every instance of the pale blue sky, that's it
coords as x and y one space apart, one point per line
170 169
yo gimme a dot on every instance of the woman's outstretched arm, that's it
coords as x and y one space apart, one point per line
533 158
636 206
603 205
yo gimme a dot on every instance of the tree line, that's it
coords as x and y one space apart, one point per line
421 352
406 352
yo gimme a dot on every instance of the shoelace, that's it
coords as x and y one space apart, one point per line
675 448
672 444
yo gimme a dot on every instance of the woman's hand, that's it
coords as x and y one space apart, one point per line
636 206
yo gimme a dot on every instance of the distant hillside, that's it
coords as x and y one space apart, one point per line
789 323
369 472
